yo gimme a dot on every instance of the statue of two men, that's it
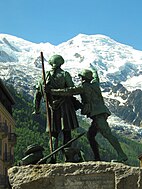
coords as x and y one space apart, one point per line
60 89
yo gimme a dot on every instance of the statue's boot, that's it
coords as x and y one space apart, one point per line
72 155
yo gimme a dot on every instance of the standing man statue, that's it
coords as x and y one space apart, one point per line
94 107
61 109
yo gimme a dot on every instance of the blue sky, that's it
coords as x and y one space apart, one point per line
56 21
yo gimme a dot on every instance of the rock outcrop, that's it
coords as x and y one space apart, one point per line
86 175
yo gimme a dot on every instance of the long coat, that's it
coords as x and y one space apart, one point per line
62 111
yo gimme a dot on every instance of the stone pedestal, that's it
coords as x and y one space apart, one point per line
86 175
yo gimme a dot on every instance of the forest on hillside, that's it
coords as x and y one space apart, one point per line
31 130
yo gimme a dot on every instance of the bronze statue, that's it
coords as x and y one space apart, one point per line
61 109
94 108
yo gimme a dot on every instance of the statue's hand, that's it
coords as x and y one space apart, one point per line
77 104
86 109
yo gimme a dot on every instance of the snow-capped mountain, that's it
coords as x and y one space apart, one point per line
119 67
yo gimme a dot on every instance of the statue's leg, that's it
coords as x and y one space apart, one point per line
92 132
67 136
55 146
55 142
105 130
55 126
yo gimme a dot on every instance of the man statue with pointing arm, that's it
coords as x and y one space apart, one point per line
94 108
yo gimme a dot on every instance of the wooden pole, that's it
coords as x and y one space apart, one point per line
47 108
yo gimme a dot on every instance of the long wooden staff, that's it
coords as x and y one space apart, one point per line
47 108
